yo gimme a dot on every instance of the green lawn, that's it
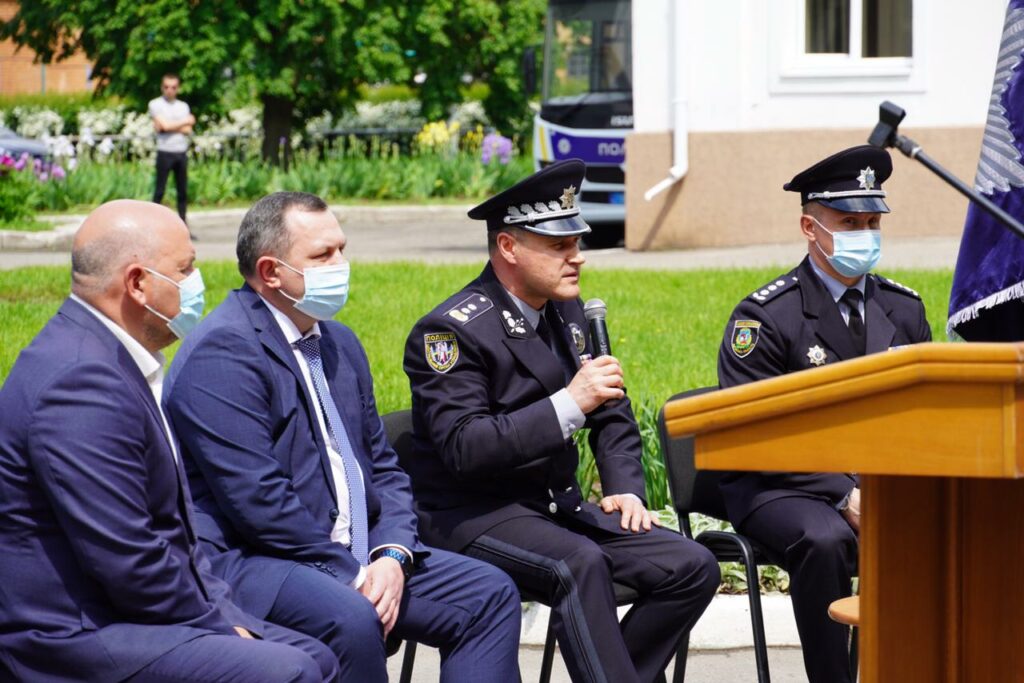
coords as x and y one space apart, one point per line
665 326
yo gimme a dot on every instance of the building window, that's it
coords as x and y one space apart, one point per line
859 28
819 46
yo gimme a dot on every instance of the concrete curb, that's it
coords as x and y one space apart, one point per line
724 626
223 223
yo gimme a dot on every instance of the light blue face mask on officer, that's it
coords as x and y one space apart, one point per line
191 302
854 252
326 290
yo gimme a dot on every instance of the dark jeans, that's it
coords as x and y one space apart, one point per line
165 163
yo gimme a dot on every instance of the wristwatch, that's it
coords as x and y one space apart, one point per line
404 561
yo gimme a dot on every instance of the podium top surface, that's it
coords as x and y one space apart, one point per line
957 401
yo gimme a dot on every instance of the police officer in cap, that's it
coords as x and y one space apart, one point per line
502 376
828 309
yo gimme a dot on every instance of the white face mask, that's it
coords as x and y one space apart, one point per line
326 290
854 252
190 303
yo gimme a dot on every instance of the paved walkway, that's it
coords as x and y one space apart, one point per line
721 666
443 234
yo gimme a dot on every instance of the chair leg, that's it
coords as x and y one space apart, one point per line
408 659
756 617
679 675
548 658
854 662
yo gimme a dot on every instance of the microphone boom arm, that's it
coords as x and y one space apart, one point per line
886 134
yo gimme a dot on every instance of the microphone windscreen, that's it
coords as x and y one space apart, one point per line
594 308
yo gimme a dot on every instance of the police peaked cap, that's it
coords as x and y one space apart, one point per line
850 180
544 203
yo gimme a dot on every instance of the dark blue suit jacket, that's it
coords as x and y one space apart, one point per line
99 571
256 459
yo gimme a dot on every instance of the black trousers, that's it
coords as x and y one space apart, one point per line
814 543
573 568
165 163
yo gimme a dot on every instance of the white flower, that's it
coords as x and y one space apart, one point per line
35 122
106 147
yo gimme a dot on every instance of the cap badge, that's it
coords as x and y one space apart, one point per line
816 355
568 197
867 179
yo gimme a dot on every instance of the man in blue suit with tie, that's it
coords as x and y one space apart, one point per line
100 576
298 494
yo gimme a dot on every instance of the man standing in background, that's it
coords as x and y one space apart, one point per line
173 122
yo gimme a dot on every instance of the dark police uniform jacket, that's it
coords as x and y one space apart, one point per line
488 445
792 324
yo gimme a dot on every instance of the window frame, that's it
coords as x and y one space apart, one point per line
793 70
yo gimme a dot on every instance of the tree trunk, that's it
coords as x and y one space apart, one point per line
277 130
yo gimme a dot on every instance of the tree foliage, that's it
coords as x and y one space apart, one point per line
297 57
484 39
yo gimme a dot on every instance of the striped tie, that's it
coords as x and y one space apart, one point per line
310 348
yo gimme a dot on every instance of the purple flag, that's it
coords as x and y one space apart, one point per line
987 300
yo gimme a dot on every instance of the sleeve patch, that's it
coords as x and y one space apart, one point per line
473 306
442 350
744 337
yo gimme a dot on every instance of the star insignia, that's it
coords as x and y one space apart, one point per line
568 197
867 179
816 355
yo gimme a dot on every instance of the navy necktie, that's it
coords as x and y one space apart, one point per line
852 298
310 348
548 333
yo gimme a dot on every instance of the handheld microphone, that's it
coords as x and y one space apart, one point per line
595 312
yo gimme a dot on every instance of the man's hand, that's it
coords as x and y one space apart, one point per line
852 511
244 633
634 515
383 588
597 381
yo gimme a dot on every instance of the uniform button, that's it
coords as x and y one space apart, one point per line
578 508
568 489
553 508
334 514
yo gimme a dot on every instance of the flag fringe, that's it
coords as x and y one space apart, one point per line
971 312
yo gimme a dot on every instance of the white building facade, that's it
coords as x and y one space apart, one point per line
734 97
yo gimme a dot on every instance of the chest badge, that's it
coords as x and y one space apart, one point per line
578 338
816 355
744 337
442 350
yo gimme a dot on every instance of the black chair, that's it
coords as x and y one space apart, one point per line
398 427
697 491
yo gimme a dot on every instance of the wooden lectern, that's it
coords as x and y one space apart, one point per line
936 432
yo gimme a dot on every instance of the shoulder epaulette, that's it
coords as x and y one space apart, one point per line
470 308
896 286
774 288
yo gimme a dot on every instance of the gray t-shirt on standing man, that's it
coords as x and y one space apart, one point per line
170 111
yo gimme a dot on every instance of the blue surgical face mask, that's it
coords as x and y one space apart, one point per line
191 302
854 252
326 290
